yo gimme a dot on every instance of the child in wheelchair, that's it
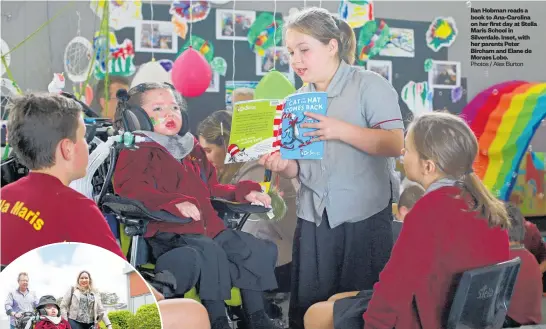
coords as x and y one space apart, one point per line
169 171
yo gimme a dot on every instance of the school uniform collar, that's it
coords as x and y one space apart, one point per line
338 81
440 183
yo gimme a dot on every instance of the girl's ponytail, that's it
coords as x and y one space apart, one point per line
347 38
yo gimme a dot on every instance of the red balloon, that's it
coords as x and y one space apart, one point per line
191 73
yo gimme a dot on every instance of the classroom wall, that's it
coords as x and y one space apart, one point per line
34 63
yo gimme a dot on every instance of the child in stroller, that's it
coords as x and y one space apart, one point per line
50 314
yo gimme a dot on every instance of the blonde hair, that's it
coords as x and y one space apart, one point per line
216 129
91 288
323 26
447 140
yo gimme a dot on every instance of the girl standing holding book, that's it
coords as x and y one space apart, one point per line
343 237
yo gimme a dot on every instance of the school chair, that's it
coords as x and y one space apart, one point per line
482 296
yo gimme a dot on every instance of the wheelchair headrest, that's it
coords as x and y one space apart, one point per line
136 118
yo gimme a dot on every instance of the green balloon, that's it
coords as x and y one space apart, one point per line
274 85
203 46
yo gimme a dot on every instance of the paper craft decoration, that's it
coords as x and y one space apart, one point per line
191 73
191 11
180 26
504 126
274 85
428 64
78 57
265 32
151 72
456 94
121 56
356 13
204 47
418 97
219 65
232 85
4 50
372 38
441 33
167 64
401 43
57 84
121 14
233 24
529 187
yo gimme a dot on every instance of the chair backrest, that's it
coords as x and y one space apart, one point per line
482 296
134 118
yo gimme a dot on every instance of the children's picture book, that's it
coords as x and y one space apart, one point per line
261 127
294 145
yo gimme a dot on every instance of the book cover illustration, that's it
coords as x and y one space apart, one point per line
294 145
252 134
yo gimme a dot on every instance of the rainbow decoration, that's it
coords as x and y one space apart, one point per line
504 118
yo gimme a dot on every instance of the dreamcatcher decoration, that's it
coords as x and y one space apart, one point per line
121 13
262 33
5 59
373 37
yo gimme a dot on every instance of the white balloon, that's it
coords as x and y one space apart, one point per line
151 72
293 11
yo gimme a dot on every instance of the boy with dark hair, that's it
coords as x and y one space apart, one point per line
47 134
115 83
408 199
526 303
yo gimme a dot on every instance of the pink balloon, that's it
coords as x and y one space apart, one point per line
191 73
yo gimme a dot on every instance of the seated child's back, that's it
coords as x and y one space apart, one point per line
47 134
408 198
526 303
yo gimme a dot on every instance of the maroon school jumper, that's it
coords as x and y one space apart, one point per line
440 239
153 176
39 209
526 303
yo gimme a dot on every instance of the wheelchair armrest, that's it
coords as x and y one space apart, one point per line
224 205
129 207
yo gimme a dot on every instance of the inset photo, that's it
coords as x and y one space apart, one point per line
77 286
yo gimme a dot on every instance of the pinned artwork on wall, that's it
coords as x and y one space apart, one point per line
356 12
214 83
204 47
442 32
219 65
276 58
121 56
265 32
156 36
234 24
121 14
428 64
78 57
383 68
234 85
4 50
418 97
180 26
401 43
373 37
190 11
445 75
456 94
